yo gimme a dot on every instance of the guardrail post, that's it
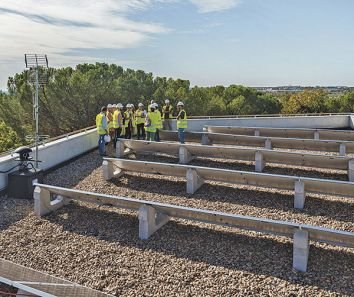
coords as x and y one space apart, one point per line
43 204
108 170
268 144
184 155
260 163
150 221
342 149
194 181
351 170
299 197
257 133
316 135
301 250
206 140
120 149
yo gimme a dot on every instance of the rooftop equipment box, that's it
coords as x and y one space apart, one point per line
20 184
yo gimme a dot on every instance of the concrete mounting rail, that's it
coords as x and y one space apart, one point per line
153 215
196 176
188 152
325 134
206 138
30 281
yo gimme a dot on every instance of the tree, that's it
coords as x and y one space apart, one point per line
308 101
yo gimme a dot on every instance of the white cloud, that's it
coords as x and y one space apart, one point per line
205 6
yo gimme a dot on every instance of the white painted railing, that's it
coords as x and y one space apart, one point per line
261 157
153 215
196 176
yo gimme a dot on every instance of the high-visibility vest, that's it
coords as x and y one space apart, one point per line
151 121
129 116
182 123
117 124
169 109
159 120
140 117
99 124
109 120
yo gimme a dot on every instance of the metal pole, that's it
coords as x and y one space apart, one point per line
37 116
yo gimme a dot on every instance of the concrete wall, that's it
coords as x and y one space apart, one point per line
55 152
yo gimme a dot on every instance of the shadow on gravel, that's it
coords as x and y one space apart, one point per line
328 269
220 193
248 166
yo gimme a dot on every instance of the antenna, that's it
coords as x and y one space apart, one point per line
35 62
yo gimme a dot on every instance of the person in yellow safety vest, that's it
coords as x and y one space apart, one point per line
140 115
182 123
110 110
159 122
167 115
151 123
129 121
151 103
117 123
102 130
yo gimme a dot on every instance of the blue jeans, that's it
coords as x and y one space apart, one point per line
101 145
181 135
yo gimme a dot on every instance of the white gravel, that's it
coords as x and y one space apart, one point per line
98 246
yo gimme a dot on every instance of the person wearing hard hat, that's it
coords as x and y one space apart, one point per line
117 123
151 123
181 121
102 130
167 115
140 115
109 115
129 121
159 122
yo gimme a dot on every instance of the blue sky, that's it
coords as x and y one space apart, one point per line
250 42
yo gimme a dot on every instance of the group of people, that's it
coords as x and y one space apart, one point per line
118 122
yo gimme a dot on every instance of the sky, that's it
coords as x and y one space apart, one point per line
209 42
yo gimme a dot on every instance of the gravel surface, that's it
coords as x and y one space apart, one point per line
98 246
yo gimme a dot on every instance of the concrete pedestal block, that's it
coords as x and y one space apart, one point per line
268 144
206 140
150 221
43 204
351 170
184 155
316 135
299 197
108 170
120 149
342 149
194 181
260 163
301 250
257 133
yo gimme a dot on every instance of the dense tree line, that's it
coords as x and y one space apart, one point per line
73 96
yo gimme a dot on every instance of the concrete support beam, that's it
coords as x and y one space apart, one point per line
206 140
299 197
120 149
184 155
342 149
150 221
301 250
21 293
351 170
194 181
316 135
268 144
43 204
260 163
257 133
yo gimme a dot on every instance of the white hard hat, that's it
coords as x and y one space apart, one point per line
120 105
180 104
167 101
128 105
109 106
156 105
114 105
140 105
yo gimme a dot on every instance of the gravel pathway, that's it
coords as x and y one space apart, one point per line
98 246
